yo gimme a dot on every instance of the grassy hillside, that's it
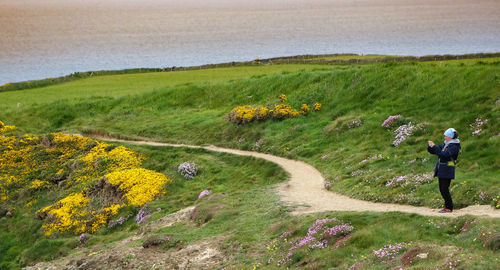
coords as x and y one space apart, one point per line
344 140
432 96
53 168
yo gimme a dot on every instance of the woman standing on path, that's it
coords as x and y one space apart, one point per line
447 154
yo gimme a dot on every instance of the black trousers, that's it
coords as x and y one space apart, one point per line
444 188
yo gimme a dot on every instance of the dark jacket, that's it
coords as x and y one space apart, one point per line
445 167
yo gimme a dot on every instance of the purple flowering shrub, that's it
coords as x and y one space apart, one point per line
187 170
319 235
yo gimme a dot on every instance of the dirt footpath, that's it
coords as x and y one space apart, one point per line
305 189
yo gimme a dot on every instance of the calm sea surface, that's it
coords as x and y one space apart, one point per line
50 38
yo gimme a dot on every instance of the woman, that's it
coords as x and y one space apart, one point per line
447 154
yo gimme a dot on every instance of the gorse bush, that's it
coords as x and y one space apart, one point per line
317 106
282 98
245 114
6 129
304 109
283 111
95 179
139 185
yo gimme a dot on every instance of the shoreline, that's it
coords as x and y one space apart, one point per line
320 59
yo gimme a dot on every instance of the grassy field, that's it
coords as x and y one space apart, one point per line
344 140
349 57
116 86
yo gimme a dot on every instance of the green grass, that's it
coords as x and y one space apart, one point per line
116 86
251 217
189 108
23 240
349 57
434 95
388 57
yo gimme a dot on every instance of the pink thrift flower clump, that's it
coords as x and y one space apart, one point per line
83 238
357 173
327 184
354 123
388 122
337 230
403 132
204 193
379 156
483 196
410 179
389 251
319 235
452 264
476 126
468 224
143 215
187 170
285 235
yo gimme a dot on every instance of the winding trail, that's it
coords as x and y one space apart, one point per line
305 188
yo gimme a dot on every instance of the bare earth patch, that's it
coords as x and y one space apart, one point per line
129 253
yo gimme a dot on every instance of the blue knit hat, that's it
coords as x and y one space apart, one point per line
450 132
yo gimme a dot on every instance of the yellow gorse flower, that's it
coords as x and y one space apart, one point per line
317 106
5 129
39 184
282 98
34 163
68 214
245 114
140 185
304 109
283 111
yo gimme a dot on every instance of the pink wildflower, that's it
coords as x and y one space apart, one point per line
388 122
204 193
478 123
403 132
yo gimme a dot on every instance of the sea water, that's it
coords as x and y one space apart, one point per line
50 38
